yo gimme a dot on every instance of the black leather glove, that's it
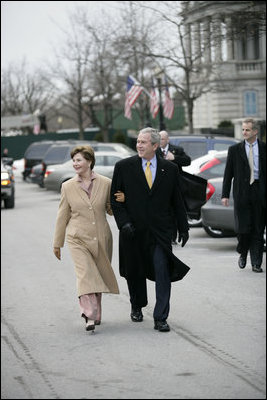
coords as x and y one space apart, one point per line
128 230
183 236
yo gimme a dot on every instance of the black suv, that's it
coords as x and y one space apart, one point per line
34 155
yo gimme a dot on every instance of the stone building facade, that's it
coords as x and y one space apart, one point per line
228 43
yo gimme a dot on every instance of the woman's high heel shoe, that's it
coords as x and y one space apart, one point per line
90 325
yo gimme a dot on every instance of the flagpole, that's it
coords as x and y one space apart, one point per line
162 125
148 121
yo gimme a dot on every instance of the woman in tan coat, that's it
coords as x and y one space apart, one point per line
81 217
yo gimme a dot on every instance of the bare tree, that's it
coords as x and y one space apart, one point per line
104 88
134 35
23 91
179 63
69 74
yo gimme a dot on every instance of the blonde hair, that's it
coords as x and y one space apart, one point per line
86 151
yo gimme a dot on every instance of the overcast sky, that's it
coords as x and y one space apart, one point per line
29 28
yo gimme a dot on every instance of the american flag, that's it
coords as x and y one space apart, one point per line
154 103
133 90
168 107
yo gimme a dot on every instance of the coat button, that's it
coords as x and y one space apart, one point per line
93 222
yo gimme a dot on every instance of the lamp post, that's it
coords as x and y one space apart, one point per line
158 74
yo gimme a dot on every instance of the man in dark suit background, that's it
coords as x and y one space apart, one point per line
152 206
172 153
249 192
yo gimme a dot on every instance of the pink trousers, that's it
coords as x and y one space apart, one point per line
90 306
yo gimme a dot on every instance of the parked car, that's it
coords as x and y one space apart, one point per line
57 153
34 155
7 183
218 220
198 145
197 163
210 165
214 168
57 174
118 147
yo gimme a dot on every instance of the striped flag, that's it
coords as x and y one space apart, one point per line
154 103
168 106
133 91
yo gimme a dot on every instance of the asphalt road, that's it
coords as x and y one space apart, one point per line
216 348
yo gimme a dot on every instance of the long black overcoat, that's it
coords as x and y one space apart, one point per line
237 168
151 212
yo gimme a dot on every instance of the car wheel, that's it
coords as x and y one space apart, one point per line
218 233
10 202
194 222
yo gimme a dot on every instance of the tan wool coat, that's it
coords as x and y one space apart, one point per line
83 221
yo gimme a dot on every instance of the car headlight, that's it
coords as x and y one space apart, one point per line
5 181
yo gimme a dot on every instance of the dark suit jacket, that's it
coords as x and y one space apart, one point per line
181 159
151 212
237 168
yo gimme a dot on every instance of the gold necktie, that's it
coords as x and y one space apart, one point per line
148 174
251 164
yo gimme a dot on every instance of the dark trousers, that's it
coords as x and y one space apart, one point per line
138 289
252 241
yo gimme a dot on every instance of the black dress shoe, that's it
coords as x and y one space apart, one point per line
257 268
136 315
242 261
161 326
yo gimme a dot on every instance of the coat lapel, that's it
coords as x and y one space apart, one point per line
160 173
243 153
139 173
96 186
81 192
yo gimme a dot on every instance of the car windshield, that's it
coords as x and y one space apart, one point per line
57 154
219 146
37 151
195 148
111 160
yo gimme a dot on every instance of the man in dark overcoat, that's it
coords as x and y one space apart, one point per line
249 193
171 152
175 154
145 221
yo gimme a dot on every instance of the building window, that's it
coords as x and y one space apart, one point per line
250 103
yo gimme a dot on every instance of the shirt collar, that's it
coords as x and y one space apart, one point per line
93 176
152 161
253 144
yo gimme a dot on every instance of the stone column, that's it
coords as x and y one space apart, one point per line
187 37
206 41
197 41
217 38
229 39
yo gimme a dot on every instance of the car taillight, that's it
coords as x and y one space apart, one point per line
47 173
209 164
209 191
